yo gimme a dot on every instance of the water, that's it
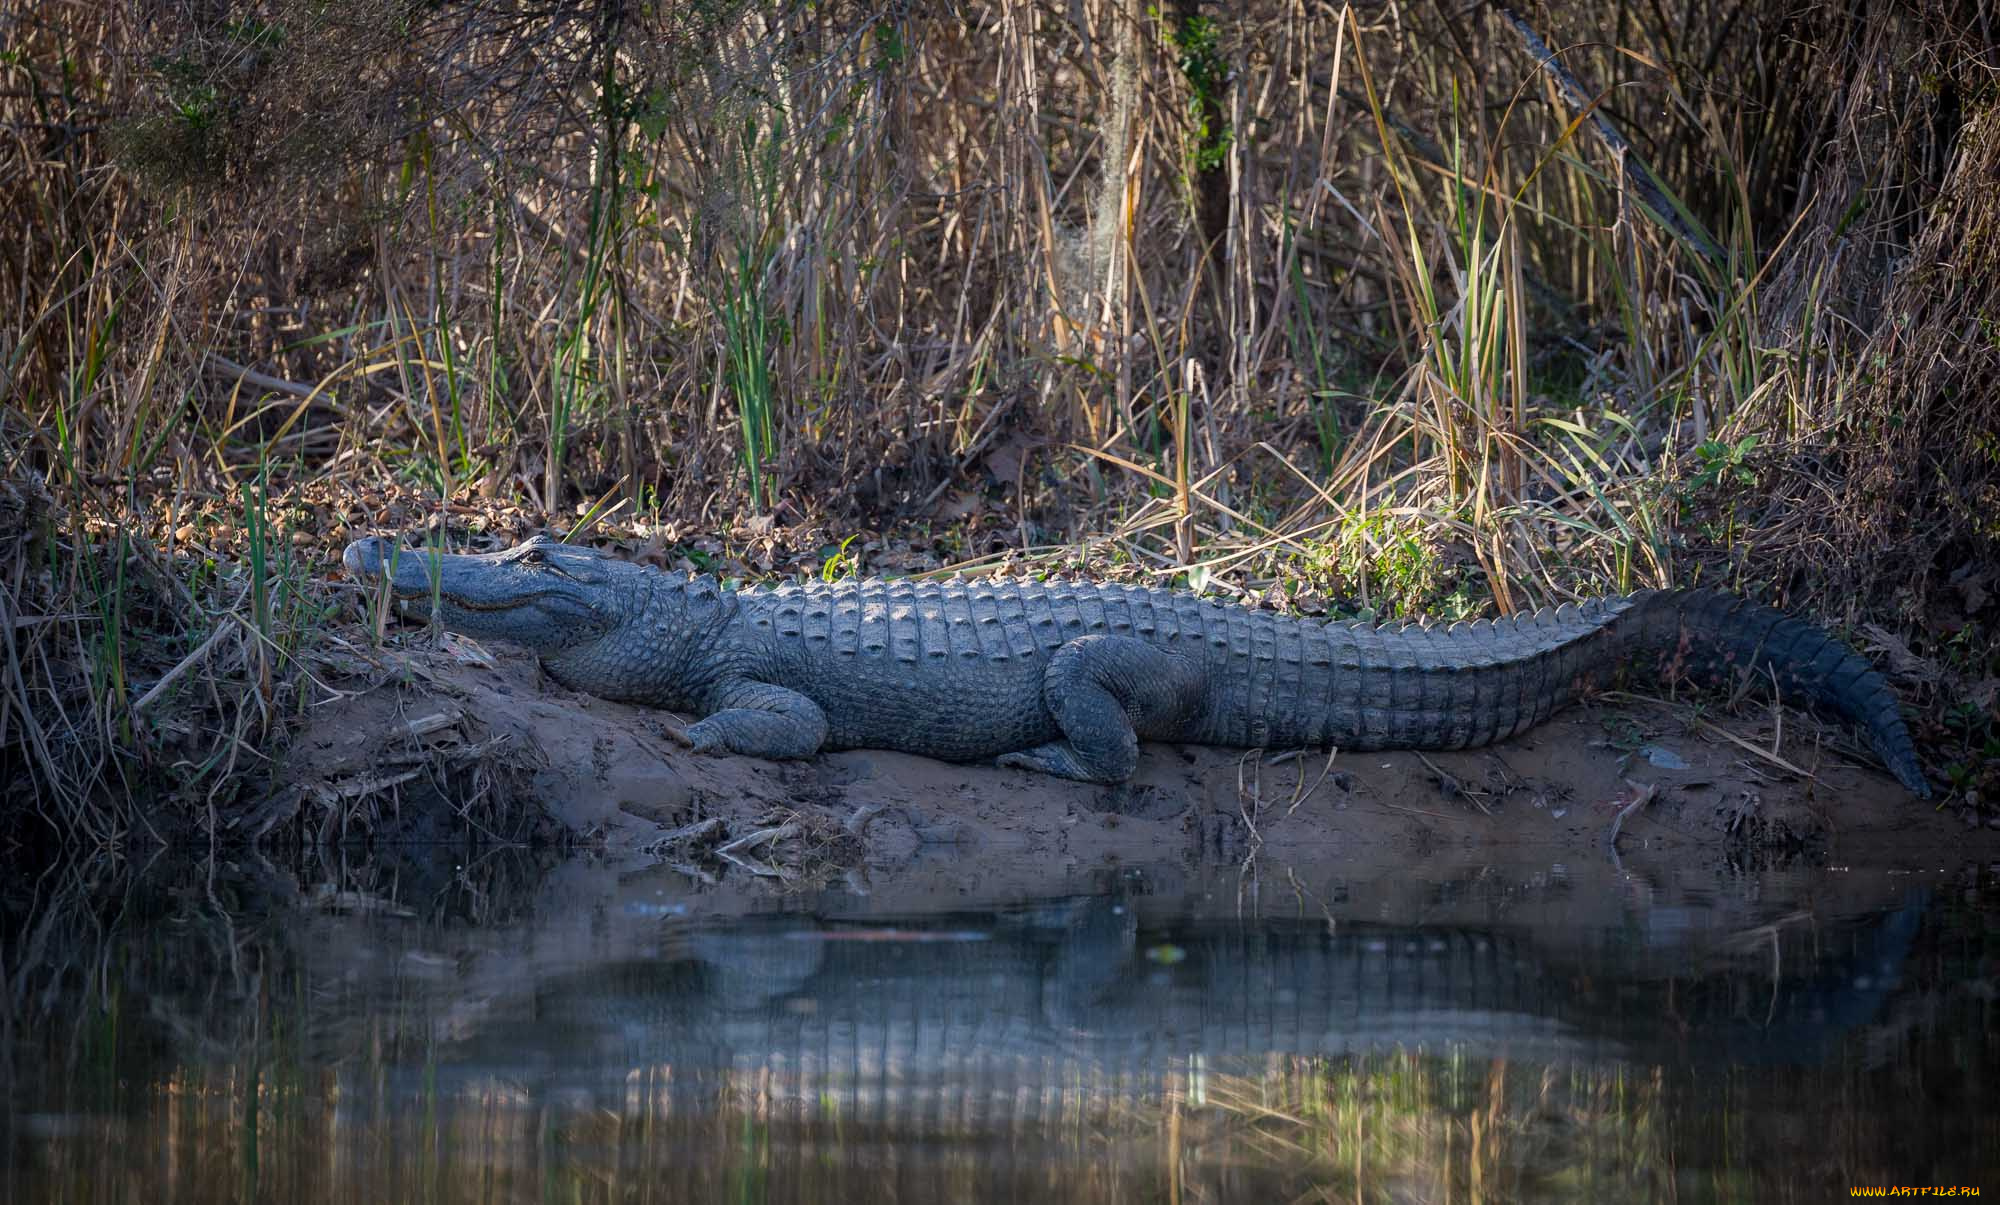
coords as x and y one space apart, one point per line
522 1028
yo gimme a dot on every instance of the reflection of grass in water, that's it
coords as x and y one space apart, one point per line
1403 1126
1390 1126
1372 1127
753 1160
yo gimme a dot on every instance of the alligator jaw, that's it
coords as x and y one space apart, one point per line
504 595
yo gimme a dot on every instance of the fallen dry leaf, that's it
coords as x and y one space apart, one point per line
1902 662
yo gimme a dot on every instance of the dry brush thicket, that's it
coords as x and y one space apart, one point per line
1412 306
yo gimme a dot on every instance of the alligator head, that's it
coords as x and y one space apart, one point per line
544 594
601 625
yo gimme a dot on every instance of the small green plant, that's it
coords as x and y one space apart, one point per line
1623 734
1717 461
1198 39
841 563
1385 560
1721 465
1972 722
1965 717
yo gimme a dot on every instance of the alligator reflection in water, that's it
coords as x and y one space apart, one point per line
1104 1046
888 1015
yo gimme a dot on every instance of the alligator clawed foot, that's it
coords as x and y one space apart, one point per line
1054 758
692 741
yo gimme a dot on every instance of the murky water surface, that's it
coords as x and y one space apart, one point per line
514 1028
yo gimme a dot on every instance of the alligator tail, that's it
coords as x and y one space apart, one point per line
1711 638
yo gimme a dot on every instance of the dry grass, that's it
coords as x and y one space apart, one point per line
1369 304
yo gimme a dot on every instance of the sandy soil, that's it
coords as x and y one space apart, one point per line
427 740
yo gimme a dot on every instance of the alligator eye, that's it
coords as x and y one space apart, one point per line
537 559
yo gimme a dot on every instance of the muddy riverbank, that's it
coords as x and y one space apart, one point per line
431 741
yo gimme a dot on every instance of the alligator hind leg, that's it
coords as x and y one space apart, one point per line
1103 692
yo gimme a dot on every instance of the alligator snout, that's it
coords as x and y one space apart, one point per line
378 559
366 557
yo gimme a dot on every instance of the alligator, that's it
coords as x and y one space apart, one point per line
1066 678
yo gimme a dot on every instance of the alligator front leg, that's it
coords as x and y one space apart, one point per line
757 719
1103 692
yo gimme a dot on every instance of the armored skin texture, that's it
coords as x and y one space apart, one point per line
1068 678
